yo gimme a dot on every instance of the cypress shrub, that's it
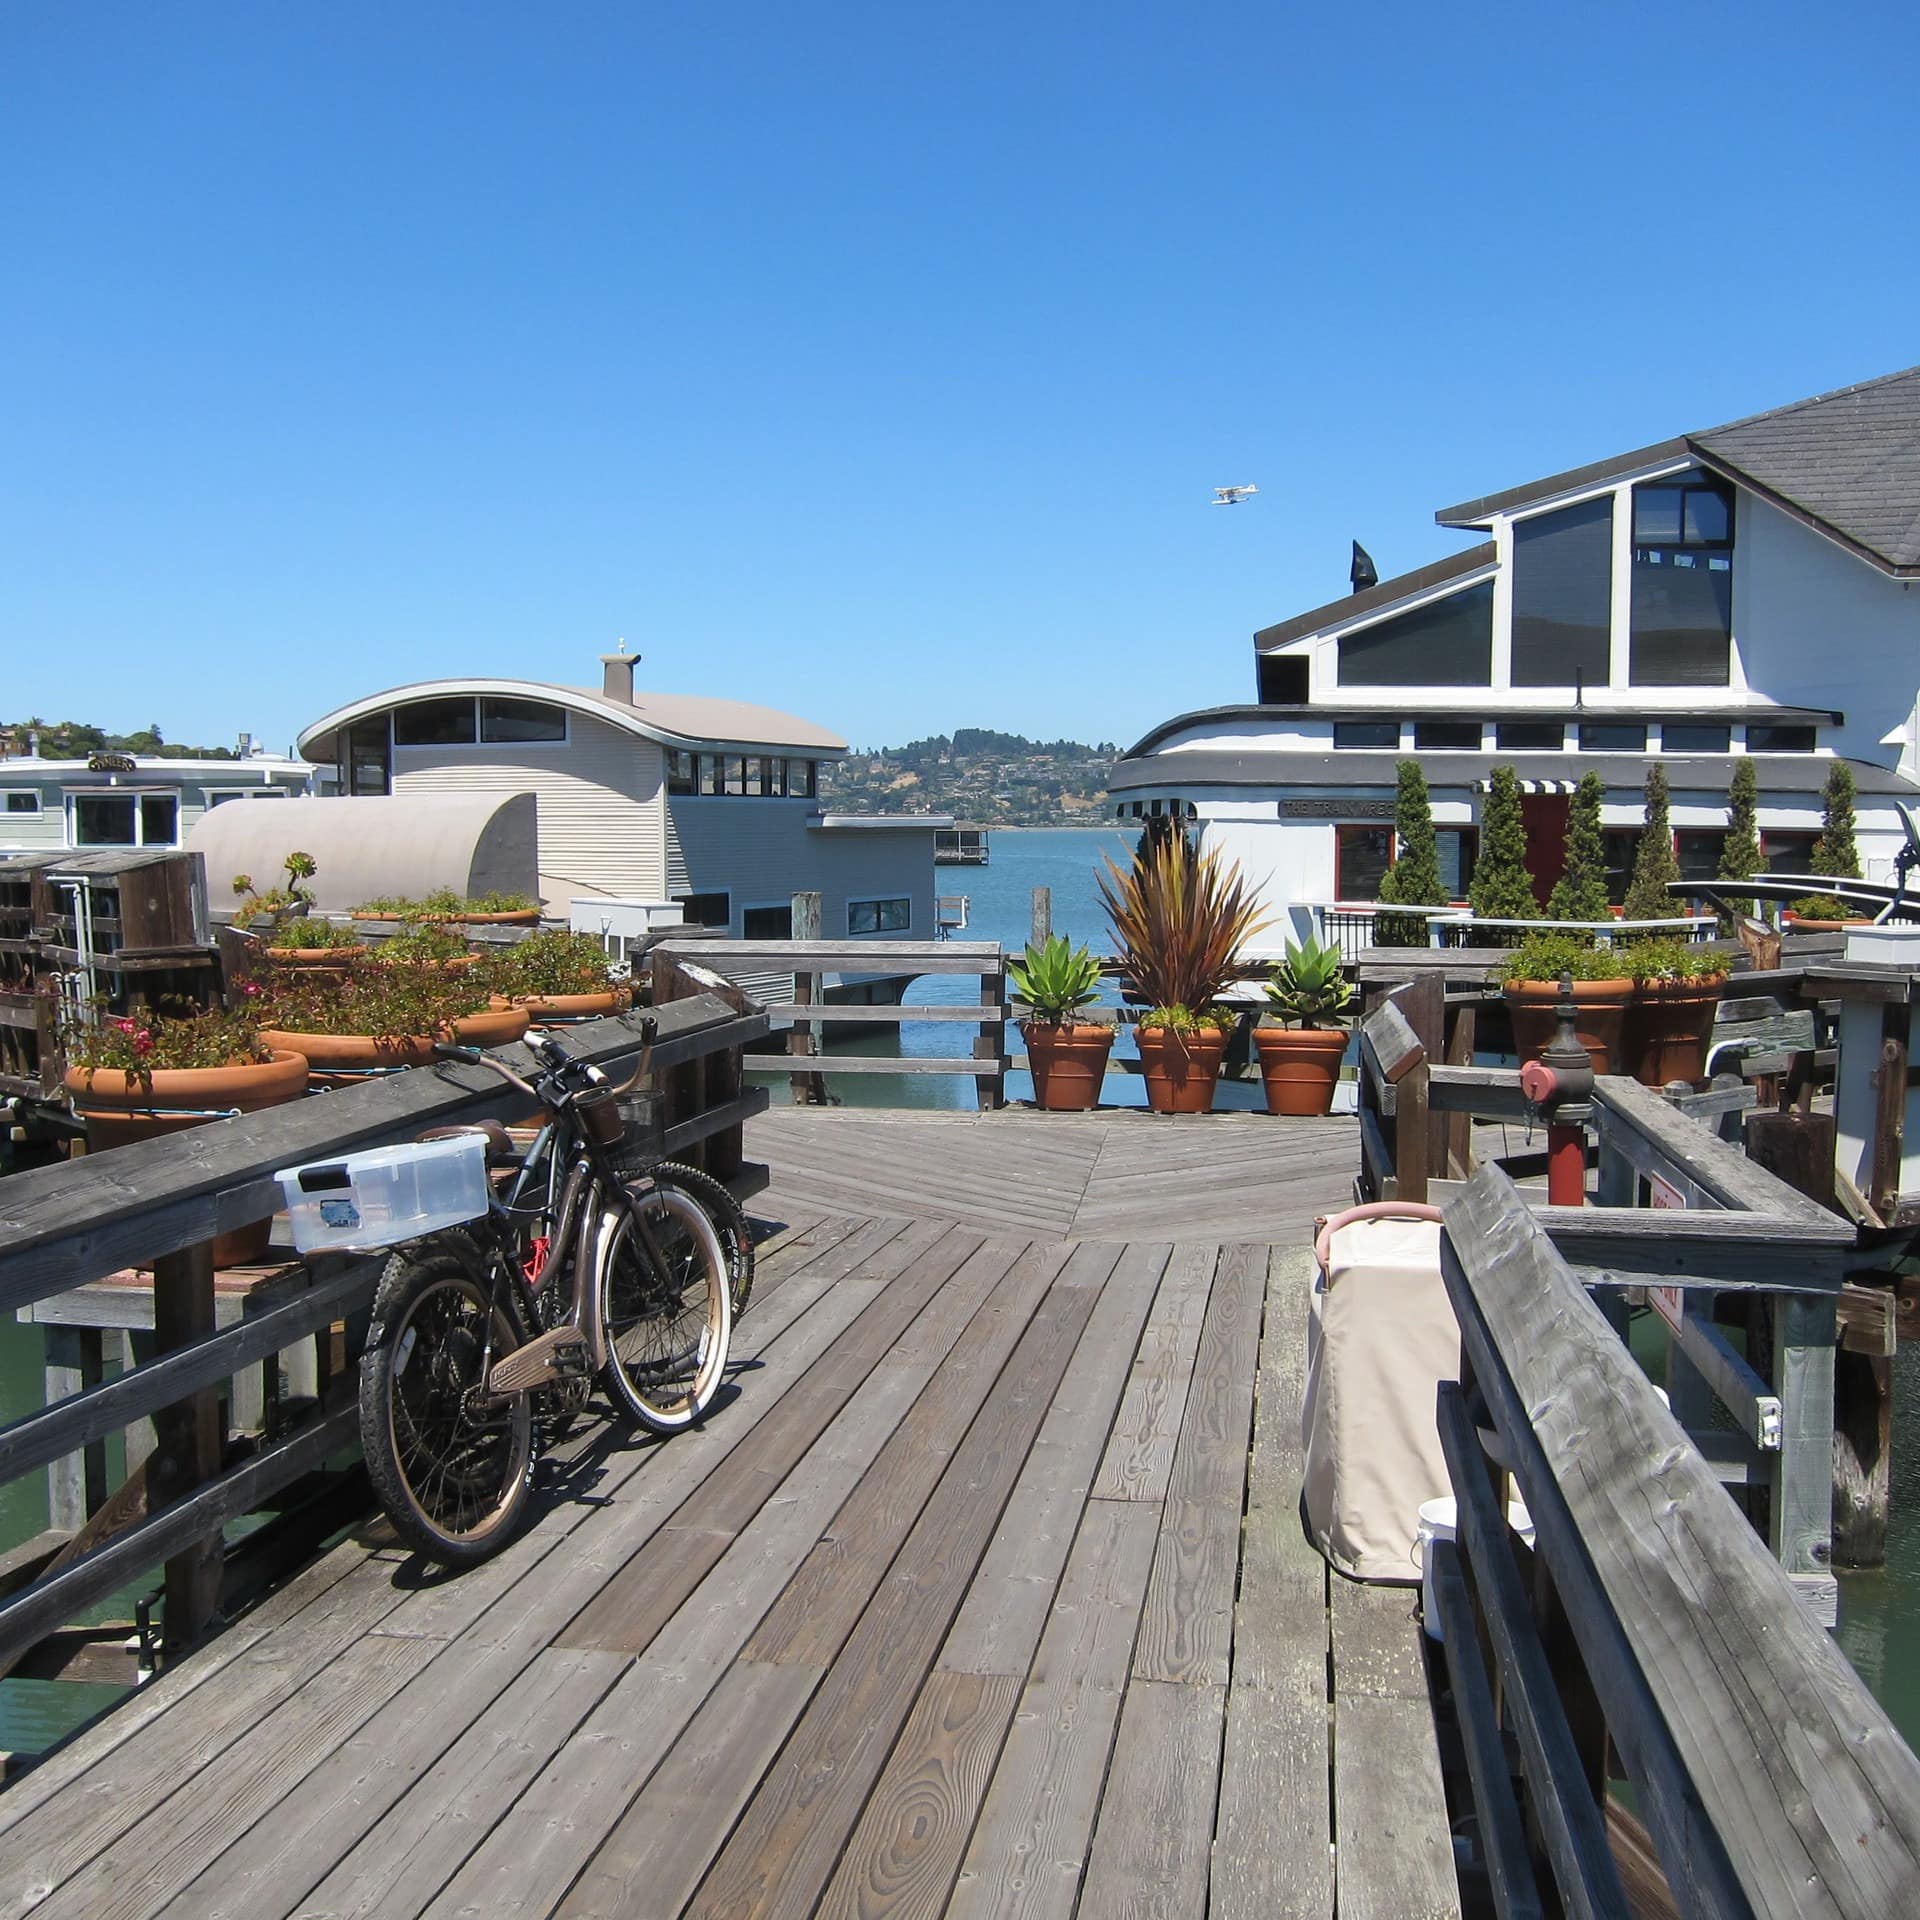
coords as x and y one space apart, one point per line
1414 878
1835 853
1502 889
1581 891
1740 854
1654 864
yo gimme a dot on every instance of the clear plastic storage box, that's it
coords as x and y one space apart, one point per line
386 1194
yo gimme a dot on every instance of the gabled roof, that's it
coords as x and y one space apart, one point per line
1846 463
1404 586
672 719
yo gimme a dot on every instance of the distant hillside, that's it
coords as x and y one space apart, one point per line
74 740
980 776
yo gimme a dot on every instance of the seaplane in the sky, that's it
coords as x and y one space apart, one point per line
1232 496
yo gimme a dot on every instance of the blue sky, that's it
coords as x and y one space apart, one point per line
874 361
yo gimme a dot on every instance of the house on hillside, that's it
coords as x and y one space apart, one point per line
1749 589
708 804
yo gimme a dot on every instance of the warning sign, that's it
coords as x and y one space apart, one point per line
1670 1303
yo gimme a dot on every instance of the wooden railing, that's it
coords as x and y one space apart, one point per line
1648 1622
809 1010
163 1201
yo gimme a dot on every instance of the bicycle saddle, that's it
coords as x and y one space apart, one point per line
500 1146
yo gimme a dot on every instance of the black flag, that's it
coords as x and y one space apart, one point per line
1365 574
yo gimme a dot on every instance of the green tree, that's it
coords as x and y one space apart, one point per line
1414 878
1835 853
1654 864
1502 888
1581 891
1740 854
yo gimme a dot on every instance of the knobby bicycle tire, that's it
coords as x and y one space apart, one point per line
729 1222
453 1476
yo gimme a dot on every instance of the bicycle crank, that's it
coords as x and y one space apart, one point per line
553 1356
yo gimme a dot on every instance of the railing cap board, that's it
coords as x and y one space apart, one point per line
861 956
62 1226
1721 1695
1720 1170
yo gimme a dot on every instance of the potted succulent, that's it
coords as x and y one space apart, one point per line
267 912
1670 1018
380 1018
556 975
134 1076
318 944
1180 917
1300 1057
1067 1057
1603 984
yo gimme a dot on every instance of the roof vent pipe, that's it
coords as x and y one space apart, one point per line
616 674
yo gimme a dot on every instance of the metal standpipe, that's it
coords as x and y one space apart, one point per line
1560 1085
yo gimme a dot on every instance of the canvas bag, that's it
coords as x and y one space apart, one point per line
1381 1336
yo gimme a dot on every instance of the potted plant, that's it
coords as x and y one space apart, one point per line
268 911
1669 1021
1602 986
381 1018
1180 917
556 975
427 944
1067 1057
501 910
1300 1058
137 1075
318 944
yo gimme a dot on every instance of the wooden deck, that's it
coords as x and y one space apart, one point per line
984 1594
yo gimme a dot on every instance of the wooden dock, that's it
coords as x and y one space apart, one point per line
985 1593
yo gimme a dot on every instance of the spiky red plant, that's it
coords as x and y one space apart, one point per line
1180 918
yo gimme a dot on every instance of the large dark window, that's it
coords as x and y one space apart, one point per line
1361 856
801 781
1453 735
1788 852
1698 851
1780 739
1530 736
507 722
1682 624
22 801
683 771
880 916
1458 848
1447 643
767 923
366 761
1366 733
1613 736
1563 596
105 820
1282 679
1619 848
705 909
434 723
1694 736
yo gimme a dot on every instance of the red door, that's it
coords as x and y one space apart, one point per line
1543 818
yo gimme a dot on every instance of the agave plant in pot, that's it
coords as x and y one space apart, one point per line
1300 1057
1180 917
1067 1056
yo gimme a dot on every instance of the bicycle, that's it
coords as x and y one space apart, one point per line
582 1269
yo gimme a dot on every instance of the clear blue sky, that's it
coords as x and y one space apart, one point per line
874 361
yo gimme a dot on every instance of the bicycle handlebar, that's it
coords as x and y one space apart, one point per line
554 1056
473 1057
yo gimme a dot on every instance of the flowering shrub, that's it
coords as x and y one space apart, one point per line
383 1003
548 963
153 1040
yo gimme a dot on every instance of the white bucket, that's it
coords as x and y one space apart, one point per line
1438 1520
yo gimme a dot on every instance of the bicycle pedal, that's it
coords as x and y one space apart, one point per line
540 1362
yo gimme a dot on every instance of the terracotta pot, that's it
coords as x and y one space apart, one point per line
1068 1059
338 1059
499 1026
544 1007
321 959
1300 1067
1181 1069
524 917
1667 1028
1801 924
459 964
1601 1007
119 1111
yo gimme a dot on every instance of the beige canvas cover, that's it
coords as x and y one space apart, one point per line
1380 1338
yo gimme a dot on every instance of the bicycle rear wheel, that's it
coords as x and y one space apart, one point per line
451 1466
729 1222
668 1322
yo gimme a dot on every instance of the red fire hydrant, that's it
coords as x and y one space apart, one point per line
1560 1085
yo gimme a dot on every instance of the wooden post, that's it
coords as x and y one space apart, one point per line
990 1091
1042 916
187 1452
803 1039
1889 1110
77 1484
1424 1002
1462 1019
1800 1527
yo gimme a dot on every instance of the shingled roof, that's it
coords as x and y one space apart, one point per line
1846 463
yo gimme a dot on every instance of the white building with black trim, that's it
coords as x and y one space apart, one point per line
1748 590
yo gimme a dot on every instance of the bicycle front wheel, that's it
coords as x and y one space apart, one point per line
667 1309
729 1222
452 1465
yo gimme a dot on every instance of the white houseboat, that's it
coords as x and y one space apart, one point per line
1745 590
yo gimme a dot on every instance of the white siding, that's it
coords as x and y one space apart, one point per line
599 797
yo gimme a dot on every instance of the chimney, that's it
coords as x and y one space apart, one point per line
616 670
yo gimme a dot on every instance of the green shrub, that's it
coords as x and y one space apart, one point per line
1502 888
1414 878
1581 891
1544 957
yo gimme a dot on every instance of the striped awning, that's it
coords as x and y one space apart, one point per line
1532 786
1154 809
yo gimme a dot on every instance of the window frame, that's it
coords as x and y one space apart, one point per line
1795 727
211 797
682 773
723 924
1722 730
8 795
1501 744
749 908
1380 726
564 739
1635 728
1476 727
1341 830
880 929
1480 590
1595 512
137 797
447 700
1649 551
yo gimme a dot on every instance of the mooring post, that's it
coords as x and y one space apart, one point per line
187 1452
1042 917
803 1038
